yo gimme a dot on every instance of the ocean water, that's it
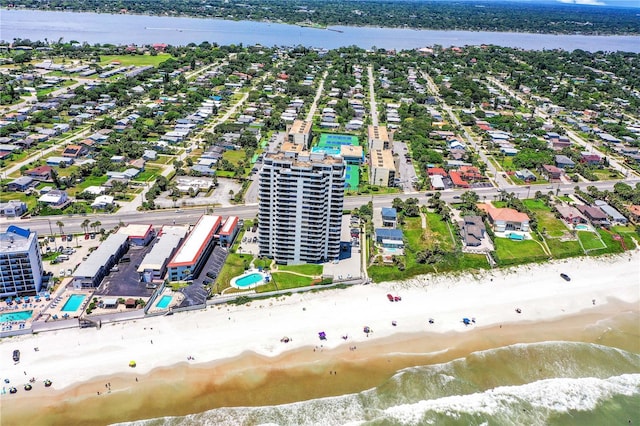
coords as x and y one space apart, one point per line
549 383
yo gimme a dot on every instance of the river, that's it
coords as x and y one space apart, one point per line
139 29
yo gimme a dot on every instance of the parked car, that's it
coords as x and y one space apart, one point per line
565 277
16 355
86 236
211 275
69 237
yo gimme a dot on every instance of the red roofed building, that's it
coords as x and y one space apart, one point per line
41 173
506 219
160 47
432 171
551 172
283 76
471 173
635 213
194 251
457 180
229 231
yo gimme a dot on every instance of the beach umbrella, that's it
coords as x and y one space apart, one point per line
47 383
322 335
367 329
132 364
466 321
27 387
285 339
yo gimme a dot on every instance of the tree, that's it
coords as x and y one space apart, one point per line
61 225
85 225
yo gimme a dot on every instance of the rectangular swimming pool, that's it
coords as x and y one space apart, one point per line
73 303
164 302
15 316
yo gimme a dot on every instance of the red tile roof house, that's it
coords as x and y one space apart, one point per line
551 172
592 159
41 173
504 219
457 180
635 213
432 171
471 173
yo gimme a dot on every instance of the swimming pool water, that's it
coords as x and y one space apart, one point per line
164 302
15 316
73 303
582 227
250 279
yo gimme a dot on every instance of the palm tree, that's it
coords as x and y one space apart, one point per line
61 225
95 225
85 225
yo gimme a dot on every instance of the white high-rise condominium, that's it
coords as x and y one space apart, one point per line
20 262
300 211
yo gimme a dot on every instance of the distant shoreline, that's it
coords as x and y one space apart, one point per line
330 27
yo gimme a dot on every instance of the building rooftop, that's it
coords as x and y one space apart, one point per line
170 237
193 246
229 224
378 132
135 230
504 214
97 259
382 158
16 239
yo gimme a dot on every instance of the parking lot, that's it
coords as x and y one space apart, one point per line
124 280
74 252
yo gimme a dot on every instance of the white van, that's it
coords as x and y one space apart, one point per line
63 257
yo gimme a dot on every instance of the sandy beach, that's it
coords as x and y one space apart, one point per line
225 342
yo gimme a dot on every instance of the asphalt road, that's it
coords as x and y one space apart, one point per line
47 225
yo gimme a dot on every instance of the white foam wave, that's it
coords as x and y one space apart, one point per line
553 395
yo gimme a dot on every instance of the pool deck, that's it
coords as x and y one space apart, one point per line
176 298
250 272
54 312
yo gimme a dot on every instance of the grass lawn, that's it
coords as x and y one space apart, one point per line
234 156
546 219
562 249
163 159
566 198
509 252
148 174
224 173
87 182
234 266
613 246
284 280
437 232
308 269
137 60
607 174
590 240
31 200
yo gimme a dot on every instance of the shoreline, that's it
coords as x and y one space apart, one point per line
250 379
238 348
329 25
